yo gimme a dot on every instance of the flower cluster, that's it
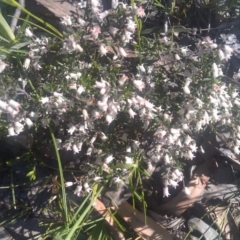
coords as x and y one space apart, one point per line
110 105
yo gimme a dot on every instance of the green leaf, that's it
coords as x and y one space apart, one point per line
6 32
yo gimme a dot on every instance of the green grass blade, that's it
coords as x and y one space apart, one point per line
83 215
5 30
17 5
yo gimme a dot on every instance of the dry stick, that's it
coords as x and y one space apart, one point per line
182 202
99 206
136 220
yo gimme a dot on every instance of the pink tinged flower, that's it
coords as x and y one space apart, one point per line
131 113
102 49
26 63
29 122
166 192
140 12
109 159
95 31
78 190
71 130
11 131
2 66
122 52
123 79
103 106
139 84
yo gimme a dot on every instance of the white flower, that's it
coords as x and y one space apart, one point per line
26 63
187 191
95 3
69 184
128 149
173 183
122 52
215 70
215 114
135 144
128 160
188 140
75 149
166 192
131 113
86 187
34 115
176 56
103 136
236 150
11 131
66 20
2 66
85 114
139 84
28 33
109 159
78 190
44 100
221 55
185 87
141 68
113 30
131 25
18 127
3 105
80 90
109 118
89 151
102 49
71 130
167 159
29 122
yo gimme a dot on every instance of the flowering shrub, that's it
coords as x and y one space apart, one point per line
108 94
